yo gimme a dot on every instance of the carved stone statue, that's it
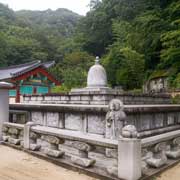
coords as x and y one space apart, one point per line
115 119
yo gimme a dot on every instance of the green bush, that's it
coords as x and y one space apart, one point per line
60 89
176 99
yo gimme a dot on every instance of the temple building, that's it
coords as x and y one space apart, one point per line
29 79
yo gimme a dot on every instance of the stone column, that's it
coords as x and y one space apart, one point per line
4 104
129 154
27 129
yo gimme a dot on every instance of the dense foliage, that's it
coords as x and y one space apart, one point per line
30 35
135 39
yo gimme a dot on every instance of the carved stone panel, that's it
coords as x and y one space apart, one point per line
96 124
159 120
146 121
37 117
178 117
170 119
73 122
52 119
61 121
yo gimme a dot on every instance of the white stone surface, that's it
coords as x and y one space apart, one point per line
97 76
37 117
4 105
26 138
52 119
96 125
129 159
73 122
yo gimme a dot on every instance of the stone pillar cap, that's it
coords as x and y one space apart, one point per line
5 85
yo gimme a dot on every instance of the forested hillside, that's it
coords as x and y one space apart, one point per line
30 35
136 39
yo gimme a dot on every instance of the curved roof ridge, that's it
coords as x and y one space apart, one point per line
21 65
35 65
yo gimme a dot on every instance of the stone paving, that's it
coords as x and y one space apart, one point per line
17 165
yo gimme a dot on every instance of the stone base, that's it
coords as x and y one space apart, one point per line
173 154
14 141
54 153
111 153
34 147
156 163
84 162
112 170
6 138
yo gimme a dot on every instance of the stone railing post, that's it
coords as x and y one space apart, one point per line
27 129
129 154
4 104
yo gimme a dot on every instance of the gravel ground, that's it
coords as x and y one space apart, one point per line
17 165
170 174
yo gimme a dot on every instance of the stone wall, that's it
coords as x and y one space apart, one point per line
91 119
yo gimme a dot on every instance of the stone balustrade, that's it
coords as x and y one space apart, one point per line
160 151
98 155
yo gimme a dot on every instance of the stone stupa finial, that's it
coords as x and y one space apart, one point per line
97 60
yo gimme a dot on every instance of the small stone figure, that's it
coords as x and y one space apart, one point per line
115 119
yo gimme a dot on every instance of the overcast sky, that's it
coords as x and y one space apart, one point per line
78 6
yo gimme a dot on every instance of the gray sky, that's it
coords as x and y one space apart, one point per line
78 6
